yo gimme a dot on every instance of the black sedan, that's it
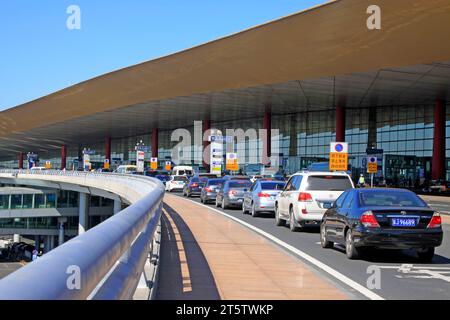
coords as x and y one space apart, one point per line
381 218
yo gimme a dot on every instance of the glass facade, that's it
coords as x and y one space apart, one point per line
404 133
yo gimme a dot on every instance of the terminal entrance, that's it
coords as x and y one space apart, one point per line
407 171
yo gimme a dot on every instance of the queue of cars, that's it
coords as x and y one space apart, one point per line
356 218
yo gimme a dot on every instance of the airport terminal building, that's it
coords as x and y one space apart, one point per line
316 76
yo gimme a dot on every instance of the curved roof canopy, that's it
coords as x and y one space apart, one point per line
310 59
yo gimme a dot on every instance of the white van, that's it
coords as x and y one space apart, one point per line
183 171
307 195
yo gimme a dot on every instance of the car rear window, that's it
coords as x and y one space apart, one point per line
240 184
386 198
214 182
272 185
328 183
182 178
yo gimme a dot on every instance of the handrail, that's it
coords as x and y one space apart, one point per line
116 248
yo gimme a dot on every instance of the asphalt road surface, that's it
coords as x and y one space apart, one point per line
402 275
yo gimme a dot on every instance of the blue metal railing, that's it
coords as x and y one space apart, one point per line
104 263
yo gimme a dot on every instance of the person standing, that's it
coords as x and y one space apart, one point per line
361 181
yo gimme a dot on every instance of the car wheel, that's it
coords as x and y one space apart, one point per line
323 238
278 221
292 225
254 212
244 211
426 255
351 251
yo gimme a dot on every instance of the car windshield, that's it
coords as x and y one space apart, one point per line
162 177
328 183
181 178
387 198
272 185
240 184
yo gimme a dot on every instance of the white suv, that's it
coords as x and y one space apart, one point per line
307 195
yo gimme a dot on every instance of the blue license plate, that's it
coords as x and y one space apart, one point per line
404 222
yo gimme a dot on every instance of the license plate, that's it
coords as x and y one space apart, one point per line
326 205
404 222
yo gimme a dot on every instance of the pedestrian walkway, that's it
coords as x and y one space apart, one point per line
207 256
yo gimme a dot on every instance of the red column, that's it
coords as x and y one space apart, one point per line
154 146
63 156
108 148
20 160
206 127
438 161
267 125
340 124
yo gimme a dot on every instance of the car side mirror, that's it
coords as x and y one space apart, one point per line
245 190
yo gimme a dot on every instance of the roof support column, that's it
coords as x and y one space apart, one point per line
83 212
438 160
266 141
21 155
340 123
206 150
108 149
63 157
154 146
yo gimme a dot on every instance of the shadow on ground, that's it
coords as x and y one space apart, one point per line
184 271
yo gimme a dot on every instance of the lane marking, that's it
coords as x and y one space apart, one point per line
334 273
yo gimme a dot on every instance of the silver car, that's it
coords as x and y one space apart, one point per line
231 193
261 197
208 193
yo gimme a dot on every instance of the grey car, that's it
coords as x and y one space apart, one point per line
209 191
231 194
261 197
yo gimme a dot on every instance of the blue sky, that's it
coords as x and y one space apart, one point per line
39 55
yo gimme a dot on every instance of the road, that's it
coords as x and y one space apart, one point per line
402 275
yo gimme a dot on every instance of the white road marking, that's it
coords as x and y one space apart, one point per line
421 272
334 273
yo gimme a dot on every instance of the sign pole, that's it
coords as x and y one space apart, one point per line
371 180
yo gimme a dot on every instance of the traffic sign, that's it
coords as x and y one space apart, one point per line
154 163
168 165
106 164
338 156
372 164
232 162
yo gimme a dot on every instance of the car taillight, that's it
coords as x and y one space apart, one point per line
367 219
232 192
194 185
435 221
304 197
263 195
208 189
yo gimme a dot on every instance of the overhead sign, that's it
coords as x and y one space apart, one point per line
216 155
338 156
232 162
168 165
372 164
154 163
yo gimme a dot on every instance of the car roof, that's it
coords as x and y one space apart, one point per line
363 190
321 173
